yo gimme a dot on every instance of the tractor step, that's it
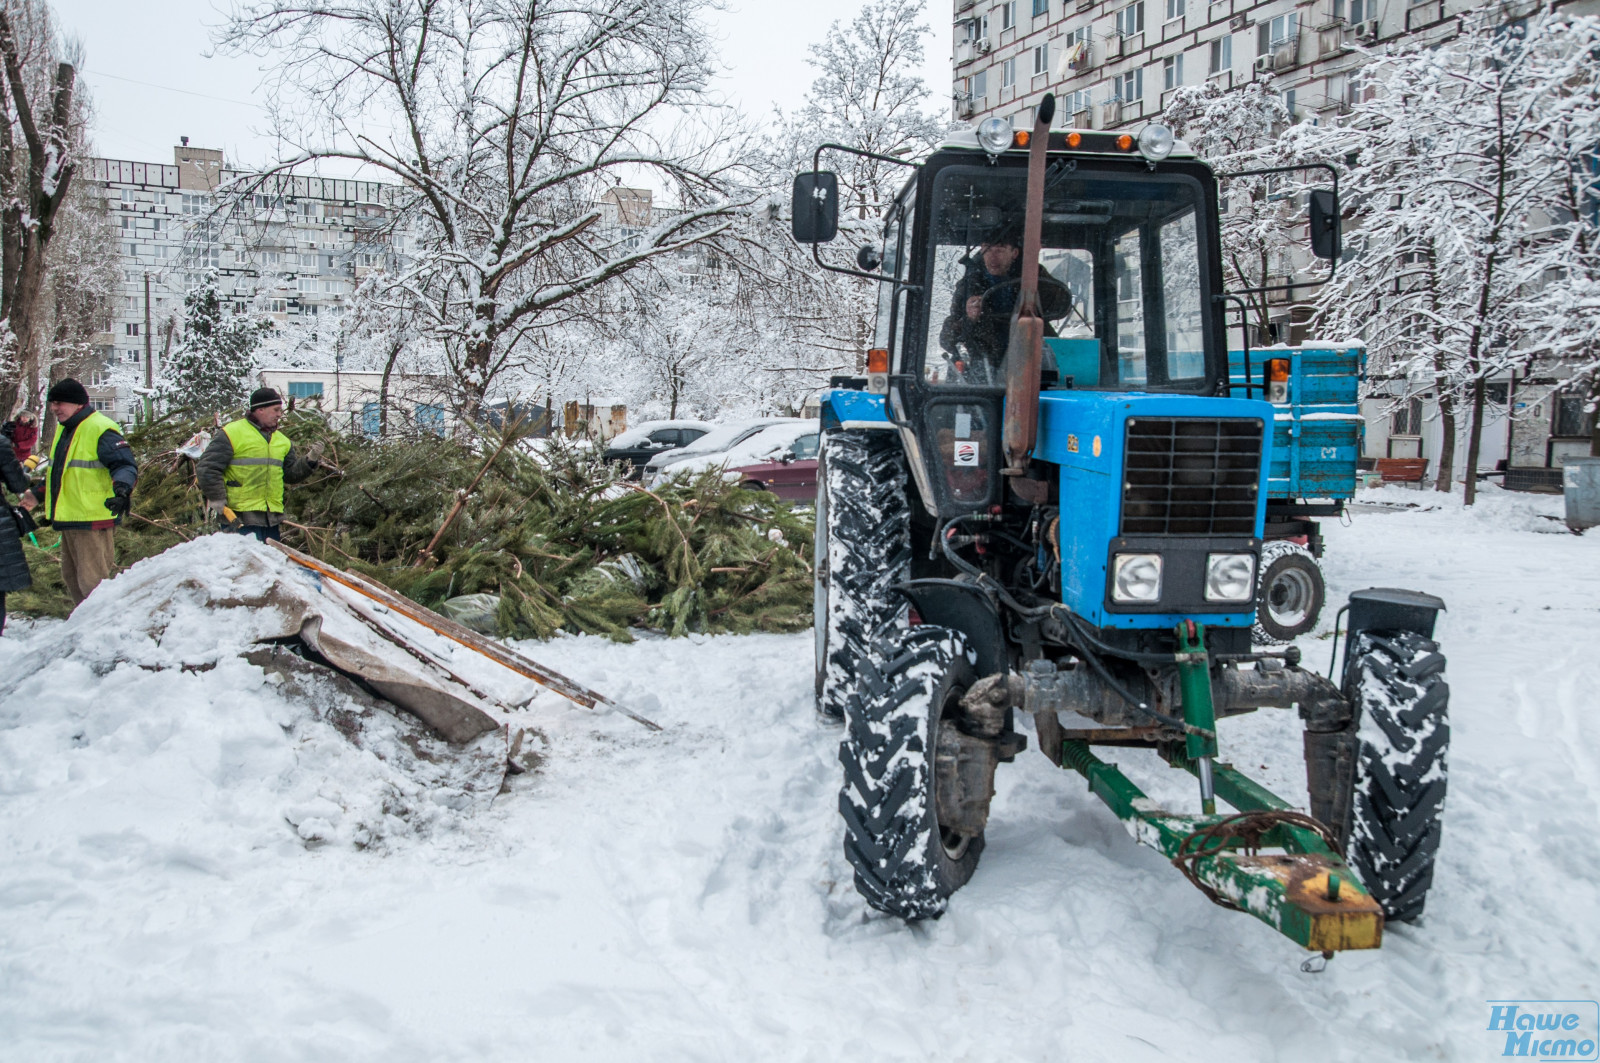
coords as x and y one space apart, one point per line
1306 892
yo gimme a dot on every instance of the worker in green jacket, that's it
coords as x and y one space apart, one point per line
89 488
246 465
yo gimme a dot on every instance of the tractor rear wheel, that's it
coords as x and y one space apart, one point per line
1289 594
1397 679
906 864
862 549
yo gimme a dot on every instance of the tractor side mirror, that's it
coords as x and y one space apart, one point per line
1325 224
815 207
868 259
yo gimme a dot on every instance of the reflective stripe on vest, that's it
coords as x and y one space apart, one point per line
85 482
255 475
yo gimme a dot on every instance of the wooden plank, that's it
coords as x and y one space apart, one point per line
455 632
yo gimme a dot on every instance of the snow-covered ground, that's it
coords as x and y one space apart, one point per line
682 895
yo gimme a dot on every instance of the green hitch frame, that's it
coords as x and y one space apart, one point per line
1304 890
1199 715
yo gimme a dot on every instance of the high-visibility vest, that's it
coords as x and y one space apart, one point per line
85 481
255 475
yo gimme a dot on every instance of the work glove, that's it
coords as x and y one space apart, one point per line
215 509
314 452
121 500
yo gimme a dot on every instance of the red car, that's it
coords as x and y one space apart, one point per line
792 477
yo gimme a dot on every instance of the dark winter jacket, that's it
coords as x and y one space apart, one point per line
13 565
988 337
113 452
211 471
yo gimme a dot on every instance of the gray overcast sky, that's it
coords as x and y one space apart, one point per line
132 46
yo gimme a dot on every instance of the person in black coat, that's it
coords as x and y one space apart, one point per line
978 329
14 575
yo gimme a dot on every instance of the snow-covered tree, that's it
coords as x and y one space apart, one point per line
868 94
505 123
209 372
1262 237
1461 266
42 124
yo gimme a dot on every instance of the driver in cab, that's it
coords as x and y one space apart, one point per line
978 330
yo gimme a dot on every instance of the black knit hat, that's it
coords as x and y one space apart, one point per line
68 390
261 398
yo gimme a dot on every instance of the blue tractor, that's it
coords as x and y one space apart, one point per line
1048 498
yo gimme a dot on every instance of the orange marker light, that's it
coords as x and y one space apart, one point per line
1074 139
1278 370
1022 139
1125 142
878 360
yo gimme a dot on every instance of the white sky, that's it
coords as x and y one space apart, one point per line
132 46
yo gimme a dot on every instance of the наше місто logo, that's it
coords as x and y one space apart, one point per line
1563 1030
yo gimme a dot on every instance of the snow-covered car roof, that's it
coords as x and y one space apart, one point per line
720 439
636 435
766 445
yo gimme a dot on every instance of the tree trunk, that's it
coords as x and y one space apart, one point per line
1474 442
1447 440
396 346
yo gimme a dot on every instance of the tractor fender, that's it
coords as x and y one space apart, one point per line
966 608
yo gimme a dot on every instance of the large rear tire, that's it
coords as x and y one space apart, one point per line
905 863
1398 681
862 549
1289 593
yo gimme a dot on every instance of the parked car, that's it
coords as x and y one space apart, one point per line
638 445
781 458
716 441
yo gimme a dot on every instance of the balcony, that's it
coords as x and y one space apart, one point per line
1427 13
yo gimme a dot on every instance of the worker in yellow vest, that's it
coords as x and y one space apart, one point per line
246 465
89 489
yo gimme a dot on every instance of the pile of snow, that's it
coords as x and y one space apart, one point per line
144 702
767 445
683 895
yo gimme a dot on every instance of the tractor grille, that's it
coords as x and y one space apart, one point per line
1191 476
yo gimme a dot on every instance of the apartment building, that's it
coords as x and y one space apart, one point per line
293 250
1117 63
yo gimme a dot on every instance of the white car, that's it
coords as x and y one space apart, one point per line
716 441
767 444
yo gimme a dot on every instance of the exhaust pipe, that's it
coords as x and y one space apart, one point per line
1025 351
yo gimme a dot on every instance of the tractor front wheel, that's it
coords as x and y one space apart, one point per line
906 863
1397 678
862 549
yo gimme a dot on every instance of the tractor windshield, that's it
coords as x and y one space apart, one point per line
1119 284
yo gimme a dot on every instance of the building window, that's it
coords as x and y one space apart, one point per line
1222 54
1074 102
1288 105
1360 10
131 329
1041 7
1172 71
1571 421
1077 36
1008 73
1008 15
977 28
305 389
1174 10
1407 419
1129 87
1281 30
1041 59
979 83
1130 20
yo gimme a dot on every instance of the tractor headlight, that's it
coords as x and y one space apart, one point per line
1156 142
994 135
1230 577
1136 578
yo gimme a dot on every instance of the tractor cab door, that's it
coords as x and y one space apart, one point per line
1129 262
